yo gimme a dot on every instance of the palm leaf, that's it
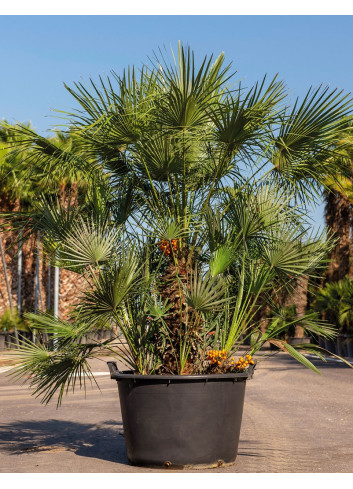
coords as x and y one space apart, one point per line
204 293
295 354
221 259
304 149
111 288
88 243
50 372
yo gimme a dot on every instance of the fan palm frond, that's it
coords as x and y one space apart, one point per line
110 288
54 371
221 258
88 243
288 256
205 293
243 117
56 157
188 92
305 144
63 331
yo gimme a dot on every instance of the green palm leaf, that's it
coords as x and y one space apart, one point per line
111 288
204 293
188 92
221 259
295 354
88 243
53 371
305 145
240 118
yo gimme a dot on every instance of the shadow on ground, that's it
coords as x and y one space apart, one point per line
104 441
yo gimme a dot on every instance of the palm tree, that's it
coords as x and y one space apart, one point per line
338 194
192 225
338 211
11 190
335 301
21 188
338 216
324 167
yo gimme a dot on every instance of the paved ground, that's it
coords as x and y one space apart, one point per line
294 421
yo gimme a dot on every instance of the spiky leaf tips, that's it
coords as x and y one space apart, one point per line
194 219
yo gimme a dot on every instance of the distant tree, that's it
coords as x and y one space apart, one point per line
24 182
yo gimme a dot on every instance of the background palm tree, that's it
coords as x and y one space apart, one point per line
338 211
338 215
23 183
311 177
10 200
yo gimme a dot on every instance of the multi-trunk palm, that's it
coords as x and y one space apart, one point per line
198 219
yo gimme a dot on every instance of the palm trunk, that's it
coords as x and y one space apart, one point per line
5 274
19 273
350 271
344 213
350 244
36 284
56 296
70 283
49 287
28 273
181 318
332 224
300 300
338 214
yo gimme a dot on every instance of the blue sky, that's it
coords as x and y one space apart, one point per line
39 53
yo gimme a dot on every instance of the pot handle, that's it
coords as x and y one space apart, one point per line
113 368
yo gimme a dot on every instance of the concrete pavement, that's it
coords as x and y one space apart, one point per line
294 421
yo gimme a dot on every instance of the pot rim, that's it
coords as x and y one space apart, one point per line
116 374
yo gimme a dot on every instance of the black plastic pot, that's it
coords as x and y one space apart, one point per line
330 345
350 346
347 345
340 342
181 420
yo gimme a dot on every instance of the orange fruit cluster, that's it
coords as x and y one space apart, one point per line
165 247
242 362
216 356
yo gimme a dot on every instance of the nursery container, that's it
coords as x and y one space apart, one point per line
181 420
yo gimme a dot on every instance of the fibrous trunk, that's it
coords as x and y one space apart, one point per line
182 320
338 213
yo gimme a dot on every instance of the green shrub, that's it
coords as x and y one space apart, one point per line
11 320
335 302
